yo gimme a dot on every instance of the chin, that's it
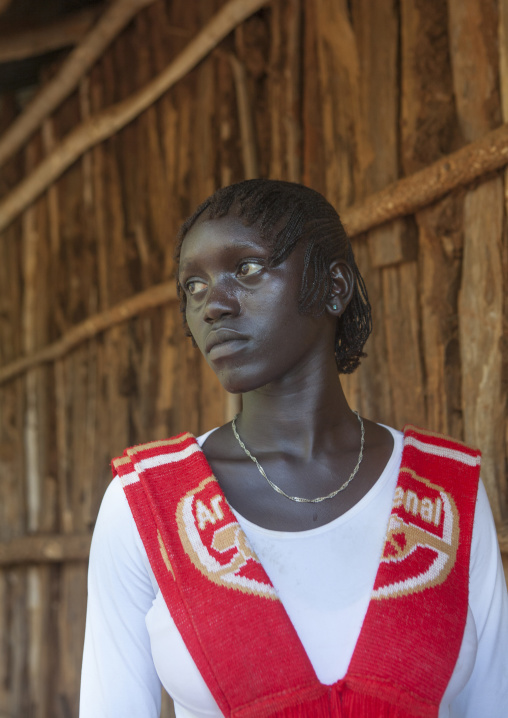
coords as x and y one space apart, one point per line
235 382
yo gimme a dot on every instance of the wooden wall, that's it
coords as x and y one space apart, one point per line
344 96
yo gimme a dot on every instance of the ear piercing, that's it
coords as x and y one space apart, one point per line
334 306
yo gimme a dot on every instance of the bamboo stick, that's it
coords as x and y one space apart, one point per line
53 36
420 189
81 59
108 122
153 297
47 548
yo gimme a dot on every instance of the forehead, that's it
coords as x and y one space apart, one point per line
216 237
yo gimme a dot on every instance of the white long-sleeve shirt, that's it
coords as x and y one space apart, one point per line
324 578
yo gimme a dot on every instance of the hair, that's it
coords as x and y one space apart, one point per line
286 214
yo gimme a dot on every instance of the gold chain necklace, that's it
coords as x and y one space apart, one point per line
299 499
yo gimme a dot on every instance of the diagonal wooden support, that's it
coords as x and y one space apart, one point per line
91 327
408 195
111 120
74 68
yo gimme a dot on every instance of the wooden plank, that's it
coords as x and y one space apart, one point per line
427 129
376 26
503 57
246 120
18 699
252 48
37 436
312 133
503 81
338 77
482 297
440 228
71 632
284 90
376 30
475 62
12 489
402 329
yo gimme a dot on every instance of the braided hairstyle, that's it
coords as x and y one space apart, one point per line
287 213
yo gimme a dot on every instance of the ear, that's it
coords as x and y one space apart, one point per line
342 287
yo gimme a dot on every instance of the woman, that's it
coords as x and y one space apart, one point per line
333 566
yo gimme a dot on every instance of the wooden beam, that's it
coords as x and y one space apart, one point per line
49 548
45 38
111 120
76 65
410 194
91 327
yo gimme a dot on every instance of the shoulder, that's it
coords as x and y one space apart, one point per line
117 548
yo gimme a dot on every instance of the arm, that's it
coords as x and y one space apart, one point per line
118 674
486 692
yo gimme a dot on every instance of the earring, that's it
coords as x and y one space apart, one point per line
334 306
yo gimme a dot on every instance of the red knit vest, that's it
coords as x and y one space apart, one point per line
237 630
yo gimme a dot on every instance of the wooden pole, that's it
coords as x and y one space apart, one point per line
408 195
81 59
53 36
150 298
111 120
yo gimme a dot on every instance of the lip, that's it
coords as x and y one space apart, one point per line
223 341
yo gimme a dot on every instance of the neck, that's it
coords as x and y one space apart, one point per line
299 415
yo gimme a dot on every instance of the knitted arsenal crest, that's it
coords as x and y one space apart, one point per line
216 544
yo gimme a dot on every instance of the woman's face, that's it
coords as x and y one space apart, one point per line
242 313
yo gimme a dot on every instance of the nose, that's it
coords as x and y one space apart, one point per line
220 302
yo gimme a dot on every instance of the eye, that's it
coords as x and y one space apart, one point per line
193 286
247 268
